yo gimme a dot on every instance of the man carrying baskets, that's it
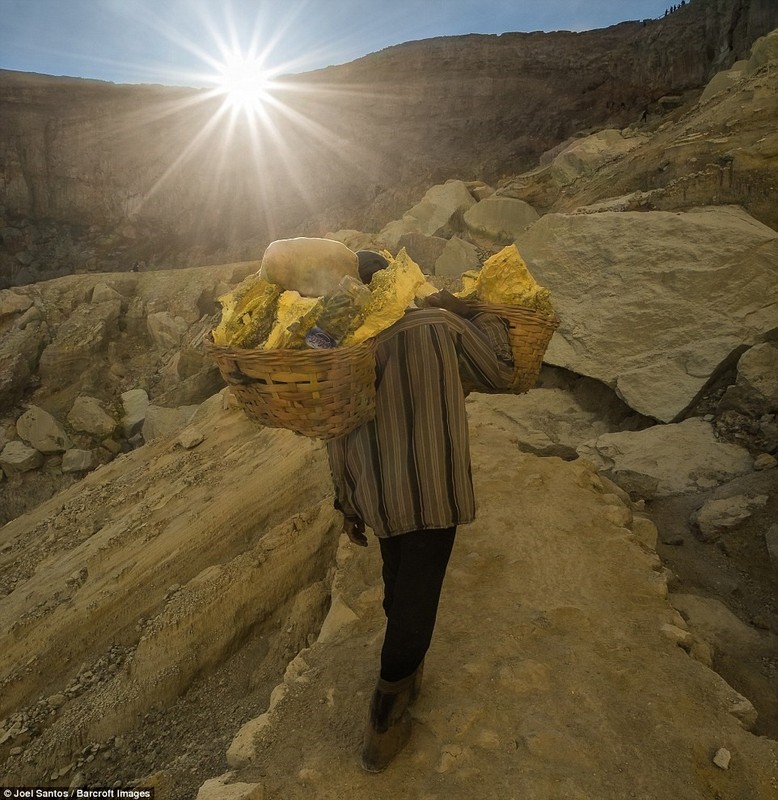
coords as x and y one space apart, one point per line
406 474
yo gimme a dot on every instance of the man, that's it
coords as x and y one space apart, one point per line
406 474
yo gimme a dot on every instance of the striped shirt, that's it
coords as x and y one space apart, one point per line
409 468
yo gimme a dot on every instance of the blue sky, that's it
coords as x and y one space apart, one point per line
183 41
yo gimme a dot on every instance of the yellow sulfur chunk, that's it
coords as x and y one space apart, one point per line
392 291
505 279
246 313
469 285
297 329
291 308
425 290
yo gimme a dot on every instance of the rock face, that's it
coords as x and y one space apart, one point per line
477 702
88 331
654 304
20 349
79 340
204 554
198 573
723 151
546 422
474 106
667 459
71 347
563 166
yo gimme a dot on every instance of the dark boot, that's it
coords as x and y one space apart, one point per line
389 724
416 687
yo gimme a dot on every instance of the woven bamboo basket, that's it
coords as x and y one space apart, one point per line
529 332
318 393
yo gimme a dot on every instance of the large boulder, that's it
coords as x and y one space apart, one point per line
584 156
755 391
458 256
722 513
102 292
42 431
87 415
667 459
160 421
13 302
77 460
438 213
576 159
653 304
16 457
78 340
424 250
500 219
166 331
358 240
189 378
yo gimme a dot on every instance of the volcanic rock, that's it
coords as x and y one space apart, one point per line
76 460
458 256
78 341
667 459
160 421
20 349
716 516
654 304
424 250
87 415
135 403
755 391
500 219
17 457
438 213
42 431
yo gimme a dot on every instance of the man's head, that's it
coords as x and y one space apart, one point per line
370 262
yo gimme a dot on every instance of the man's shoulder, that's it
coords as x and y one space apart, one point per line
419 318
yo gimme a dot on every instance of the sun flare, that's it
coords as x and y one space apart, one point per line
253 125
244 83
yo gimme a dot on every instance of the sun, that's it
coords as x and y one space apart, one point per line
244 82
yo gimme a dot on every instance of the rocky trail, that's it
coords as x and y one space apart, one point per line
189 618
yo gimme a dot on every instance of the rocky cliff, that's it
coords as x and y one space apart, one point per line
128 174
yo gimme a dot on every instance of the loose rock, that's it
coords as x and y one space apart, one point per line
722 758
42 431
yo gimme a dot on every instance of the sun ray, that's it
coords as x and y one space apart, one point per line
255 127
199 138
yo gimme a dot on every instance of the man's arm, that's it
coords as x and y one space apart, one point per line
353 526
483 345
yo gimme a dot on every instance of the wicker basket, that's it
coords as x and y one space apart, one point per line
318 393
529 332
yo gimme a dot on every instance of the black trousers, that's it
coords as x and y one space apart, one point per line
414 565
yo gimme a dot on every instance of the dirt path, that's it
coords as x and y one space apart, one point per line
556 671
